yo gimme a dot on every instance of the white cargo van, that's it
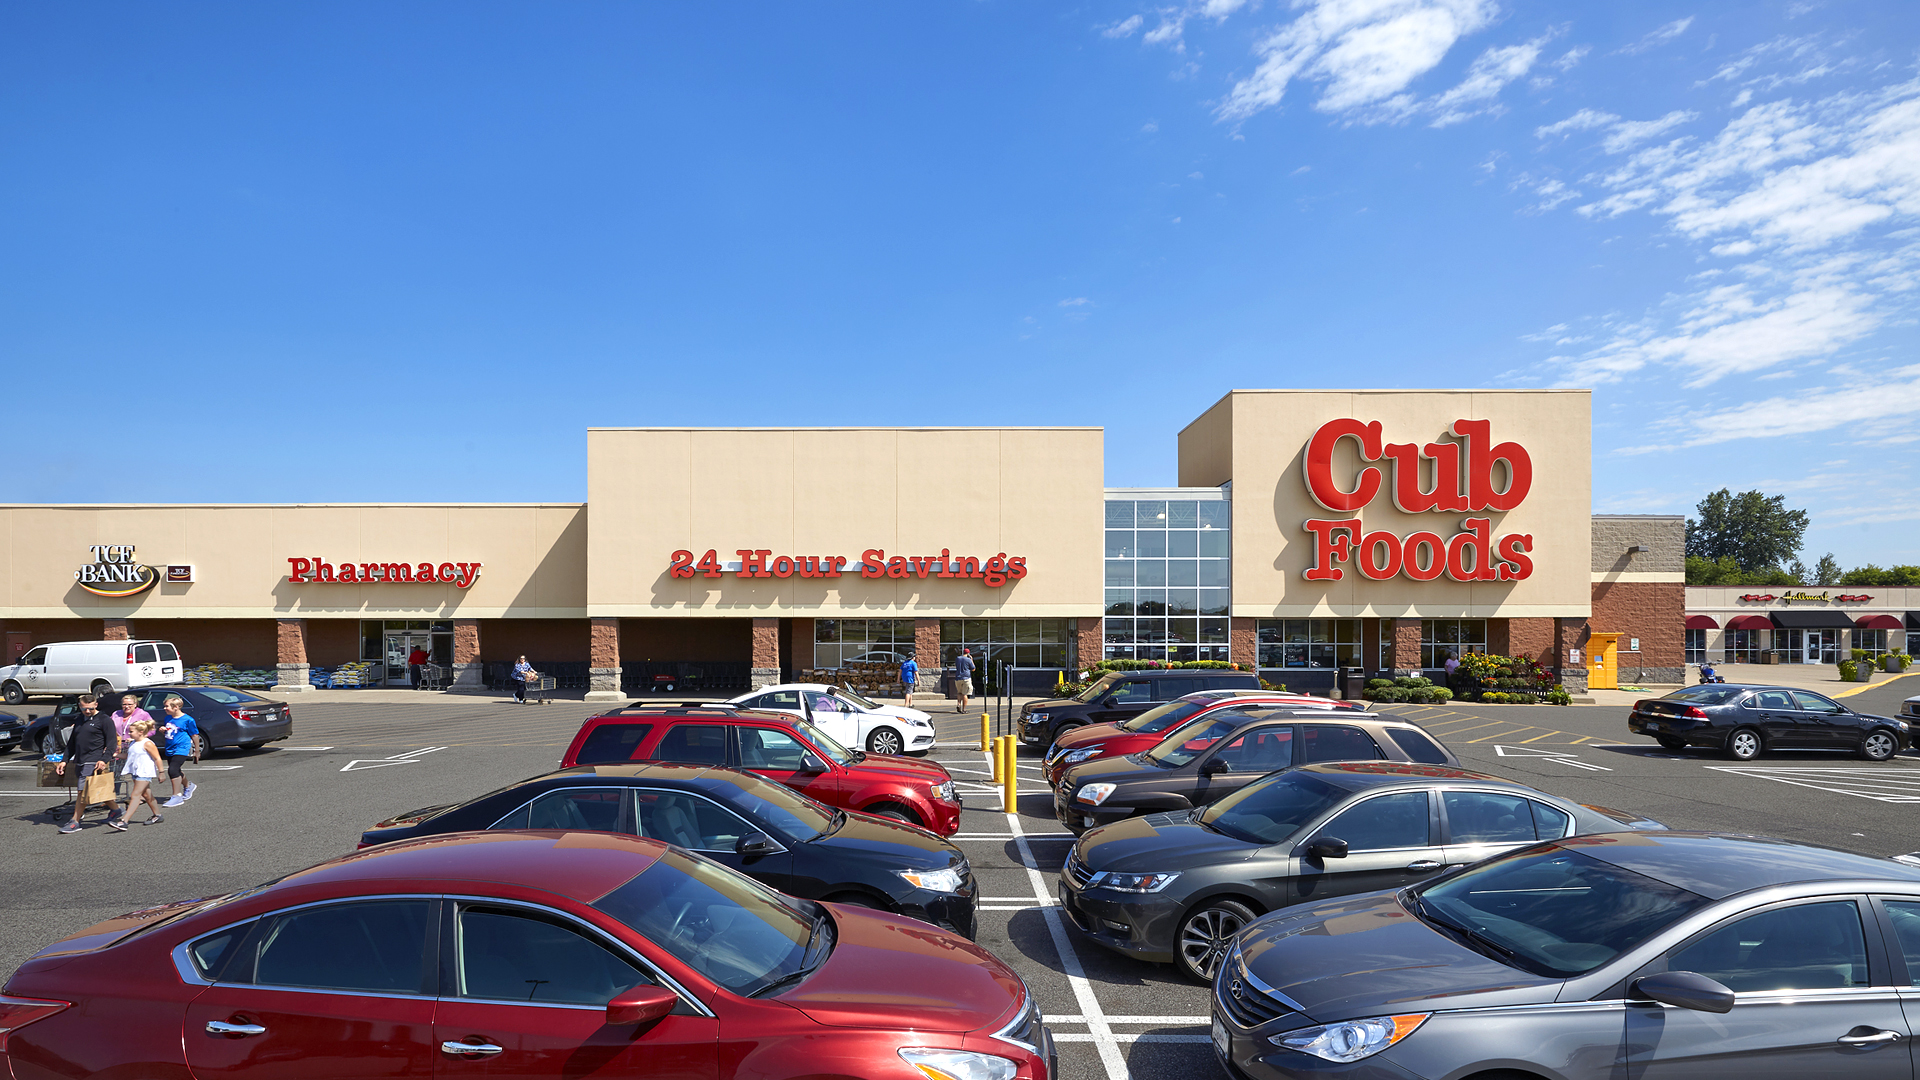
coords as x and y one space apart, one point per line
63 668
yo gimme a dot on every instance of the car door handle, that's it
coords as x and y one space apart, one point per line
459 1048
1423 865
1874 1039
221 1027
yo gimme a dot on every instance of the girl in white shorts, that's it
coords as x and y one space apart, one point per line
143 764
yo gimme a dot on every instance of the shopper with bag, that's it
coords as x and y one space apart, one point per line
91 745
142 767
182 737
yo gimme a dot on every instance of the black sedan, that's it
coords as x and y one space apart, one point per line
1623 955
1742 721
1178 887
1217 754
13 731
226 717
759 827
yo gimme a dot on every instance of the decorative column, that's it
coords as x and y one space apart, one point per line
1091 643
1571 634
117 630
1406 646
468 675
290 659
926 653
603 666
1243 641
766 654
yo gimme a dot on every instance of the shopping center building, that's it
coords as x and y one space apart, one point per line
1310 531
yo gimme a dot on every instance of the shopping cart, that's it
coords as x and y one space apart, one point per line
435 676
541 686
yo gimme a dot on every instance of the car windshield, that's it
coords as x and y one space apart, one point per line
1709 694
1162 717
1189 742
726 926
773 804
1092 693
1553 911
840 754
1272 810
865 705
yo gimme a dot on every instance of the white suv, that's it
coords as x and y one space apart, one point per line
847 717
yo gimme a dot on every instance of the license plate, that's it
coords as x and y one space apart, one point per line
1066 899
1653 725
1220 1041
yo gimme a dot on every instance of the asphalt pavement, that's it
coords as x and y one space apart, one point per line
258 815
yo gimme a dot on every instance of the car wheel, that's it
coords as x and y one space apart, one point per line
1207 934
896 813
101 688
884 740
13 694
1672 743
1744 745
1879 745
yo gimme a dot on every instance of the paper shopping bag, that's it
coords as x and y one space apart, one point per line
99 789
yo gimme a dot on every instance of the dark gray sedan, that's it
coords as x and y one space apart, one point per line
1742 721
1648 956
1178 887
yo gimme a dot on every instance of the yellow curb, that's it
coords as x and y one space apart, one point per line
1875 686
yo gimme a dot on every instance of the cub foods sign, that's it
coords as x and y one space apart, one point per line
1471 553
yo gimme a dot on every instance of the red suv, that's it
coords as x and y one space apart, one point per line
779 747
1142 732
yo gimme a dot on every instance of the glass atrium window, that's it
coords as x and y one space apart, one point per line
1168 578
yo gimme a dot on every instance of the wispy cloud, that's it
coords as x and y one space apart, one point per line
1486 77
1874 411
1124 28
1076 301
1661 36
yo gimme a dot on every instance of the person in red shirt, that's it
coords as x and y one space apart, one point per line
414 659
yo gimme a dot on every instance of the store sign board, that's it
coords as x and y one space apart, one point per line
993 572
179 573
318 571
114 572
1806 598
1471 553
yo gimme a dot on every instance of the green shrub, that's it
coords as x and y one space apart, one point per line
1847 670
1275 687
1859 654
1375 684
1440 695
1557 696
1412 682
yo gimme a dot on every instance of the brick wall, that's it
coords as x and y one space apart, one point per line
1614 534
603 643
249 643
1406 644
290 641
1531 637
332 642
565 641
689 639
1090 643
1654 612
466 641
1243 640
1569 634
926 652
766 643
116 629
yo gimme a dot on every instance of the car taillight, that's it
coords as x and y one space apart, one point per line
1640 706
240 714
1695 712
129 654
16 1013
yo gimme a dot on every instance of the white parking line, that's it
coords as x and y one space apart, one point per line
1197 1020
1099 1034
1883 784
1144 1037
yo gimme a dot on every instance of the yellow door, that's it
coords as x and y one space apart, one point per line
1603 662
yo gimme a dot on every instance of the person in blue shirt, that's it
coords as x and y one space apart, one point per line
522 671
182 737
963 678
909 674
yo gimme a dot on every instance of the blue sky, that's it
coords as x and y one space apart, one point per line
411 252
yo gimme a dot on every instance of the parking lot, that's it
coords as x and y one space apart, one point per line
352 762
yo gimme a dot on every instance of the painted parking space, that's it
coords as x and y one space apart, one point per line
1897 782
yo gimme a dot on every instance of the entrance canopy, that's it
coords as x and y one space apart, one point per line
1913 620
1701 622
1750 622
1878 622
1813 620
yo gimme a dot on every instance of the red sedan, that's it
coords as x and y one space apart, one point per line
1143 731
518 954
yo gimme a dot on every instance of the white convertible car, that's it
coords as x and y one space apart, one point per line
847 717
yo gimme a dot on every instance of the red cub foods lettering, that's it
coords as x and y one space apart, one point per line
1471 553
874 563
316 569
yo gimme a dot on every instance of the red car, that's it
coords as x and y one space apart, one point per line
1142 732
779 747
541 954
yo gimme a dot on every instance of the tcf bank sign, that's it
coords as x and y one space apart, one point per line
1472 553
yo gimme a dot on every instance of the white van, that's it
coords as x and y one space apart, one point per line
99 667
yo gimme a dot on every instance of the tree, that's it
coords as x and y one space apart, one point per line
1756 531
1727 573
1827 572
1894 577
1797 570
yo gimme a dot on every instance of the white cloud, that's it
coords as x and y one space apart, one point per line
1077 301
1661 36
1301 169
1572 57
1124 28
1879 411
1196 176
1363 53
1150 127
1626 133
1486 77
1581 121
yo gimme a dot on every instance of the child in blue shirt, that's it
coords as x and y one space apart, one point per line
180 732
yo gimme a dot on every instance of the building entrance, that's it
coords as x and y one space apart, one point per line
1603 667
1820 647
390 642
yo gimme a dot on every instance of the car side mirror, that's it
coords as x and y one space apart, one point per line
1109 701
1686 990
1214 766
755 844
809 763
1327 847
641 1005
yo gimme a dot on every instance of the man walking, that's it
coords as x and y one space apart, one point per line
909 674
414 659
963 678
91 745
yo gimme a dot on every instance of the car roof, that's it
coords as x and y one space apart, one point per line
1365 774
1738 686
703 710
583 866
1324 716
1718 865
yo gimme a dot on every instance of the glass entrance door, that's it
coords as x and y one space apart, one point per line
1820 647
400 644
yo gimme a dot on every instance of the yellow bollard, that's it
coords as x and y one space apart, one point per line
1010 773
986 733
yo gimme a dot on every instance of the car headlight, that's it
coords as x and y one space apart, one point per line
1141 883
1093 793
1075 757
1037 718
957 1064
944 791
1351 1040
923 723
946 880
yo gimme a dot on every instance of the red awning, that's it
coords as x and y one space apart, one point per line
1878 622
1750 622
1701 622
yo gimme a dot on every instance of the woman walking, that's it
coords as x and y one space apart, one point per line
143 765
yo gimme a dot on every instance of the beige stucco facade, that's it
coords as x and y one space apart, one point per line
1258 440
1028 493
532 560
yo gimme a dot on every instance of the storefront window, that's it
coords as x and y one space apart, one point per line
1696 646
1167 568
1874 642
1438 637
844 641
1024 643
1744 647
391 641
1308 643
1384 662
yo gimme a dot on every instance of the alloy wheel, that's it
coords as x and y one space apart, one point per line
1878 746
1207 935
884 741
1744 745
